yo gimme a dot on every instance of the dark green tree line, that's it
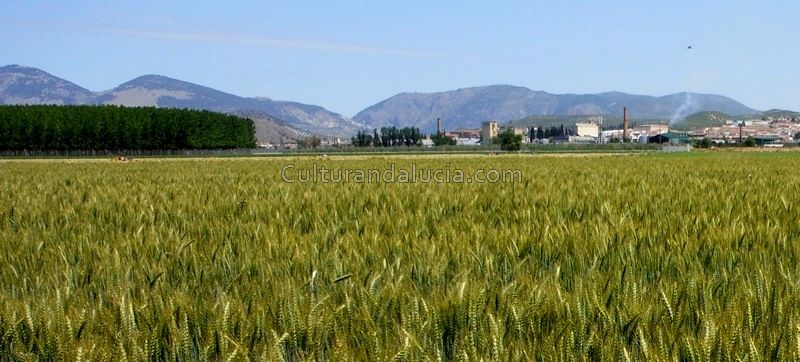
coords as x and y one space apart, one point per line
47 127
389 137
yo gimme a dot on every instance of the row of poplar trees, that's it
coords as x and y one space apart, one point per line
47 127
389 137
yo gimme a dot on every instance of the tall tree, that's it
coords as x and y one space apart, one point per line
509 140
376 139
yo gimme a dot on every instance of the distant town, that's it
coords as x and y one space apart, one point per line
766 131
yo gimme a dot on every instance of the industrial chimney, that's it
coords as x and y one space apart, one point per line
624 124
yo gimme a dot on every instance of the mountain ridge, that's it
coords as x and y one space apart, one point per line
26 85
468 107
38 85
459 108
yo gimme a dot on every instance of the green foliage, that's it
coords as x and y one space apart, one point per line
509 141
703 119
587 259
749 142
780 113
389 137
362 139
406 136
442 140
119 128
703 143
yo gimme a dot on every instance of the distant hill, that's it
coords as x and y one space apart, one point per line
703 119
167 92
270 129
713 119
468 107
23 85
781 113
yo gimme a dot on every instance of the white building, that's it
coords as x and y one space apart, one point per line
590 129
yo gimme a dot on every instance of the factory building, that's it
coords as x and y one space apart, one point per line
651 129
589 129
670 138
489 131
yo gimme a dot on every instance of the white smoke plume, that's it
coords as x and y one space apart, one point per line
684 109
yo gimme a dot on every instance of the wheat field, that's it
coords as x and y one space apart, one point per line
606 258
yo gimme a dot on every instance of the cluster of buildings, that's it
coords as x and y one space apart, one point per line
764 132
768 131
645 133
587 132
583 132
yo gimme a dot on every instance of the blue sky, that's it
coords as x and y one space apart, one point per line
347 55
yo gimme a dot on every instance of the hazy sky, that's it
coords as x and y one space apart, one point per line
347 55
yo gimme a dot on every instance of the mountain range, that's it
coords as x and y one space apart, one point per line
282 120
274 120
468 107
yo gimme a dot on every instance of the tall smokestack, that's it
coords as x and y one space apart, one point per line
438 125
624 124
